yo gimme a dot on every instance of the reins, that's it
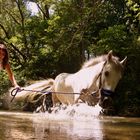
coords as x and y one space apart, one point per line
16 90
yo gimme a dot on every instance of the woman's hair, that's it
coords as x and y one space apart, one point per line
6 57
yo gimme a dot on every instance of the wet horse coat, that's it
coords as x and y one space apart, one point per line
103 72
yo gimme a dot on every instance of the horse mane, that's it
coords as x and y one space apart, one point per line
96 60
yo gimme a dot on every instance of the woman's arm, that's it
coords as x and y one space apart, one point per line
11 75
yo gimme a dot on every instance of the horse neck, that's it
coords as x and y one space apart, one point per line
97 69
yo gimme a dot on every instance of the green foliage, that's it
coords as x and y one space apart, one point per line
114 38
132 15
4 82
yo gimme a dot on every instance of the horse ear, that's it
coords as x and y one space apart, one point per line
123 62
109 55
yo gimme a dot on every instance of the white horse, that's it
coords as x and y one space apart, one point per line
100 75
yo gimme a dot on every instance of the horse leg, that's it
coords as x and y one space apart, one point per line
78 100
55 100
81 97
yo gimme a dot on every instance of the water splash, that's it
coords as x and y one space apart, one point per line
78 121
77 111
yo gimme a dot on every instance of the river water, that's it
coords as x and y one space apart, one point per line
73 123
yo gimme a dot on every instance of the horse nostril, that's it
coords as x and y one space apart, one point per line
105 98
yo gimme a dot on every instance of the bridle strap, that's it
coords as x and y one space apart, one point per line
103 92
100 80
100 75
106 92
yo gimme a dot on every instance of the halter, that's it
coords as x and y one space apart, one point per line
103 92
107 93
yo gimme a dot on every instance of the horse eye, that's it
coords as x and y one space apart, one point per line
106 73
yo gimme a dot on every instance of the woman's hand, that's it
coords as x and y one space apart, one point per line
17 87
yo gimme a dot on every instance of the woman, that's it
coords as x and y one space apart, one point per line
4 64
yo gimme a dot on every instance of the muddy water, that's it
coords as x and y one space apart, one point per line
67 124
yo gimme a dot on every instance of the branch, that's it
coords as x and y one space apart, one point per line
22 22
46 15
12 17
6 33
15 48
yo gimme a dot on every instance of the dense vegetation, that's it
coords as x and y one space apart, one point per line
55 40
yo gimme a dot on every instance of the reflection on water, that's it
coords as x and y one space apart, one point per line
72 123
68 129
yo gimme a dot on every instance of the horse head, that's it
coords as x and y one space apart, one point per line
110 75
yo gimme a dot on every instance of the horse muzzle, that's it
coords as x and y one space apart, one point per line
106 101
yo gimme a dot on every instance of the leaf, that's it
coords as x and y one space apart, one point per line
13 39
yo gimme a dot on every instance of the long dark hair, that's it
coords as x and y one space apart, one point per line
5 60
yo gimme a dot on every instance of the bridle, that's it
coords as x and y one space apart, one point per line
101 90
